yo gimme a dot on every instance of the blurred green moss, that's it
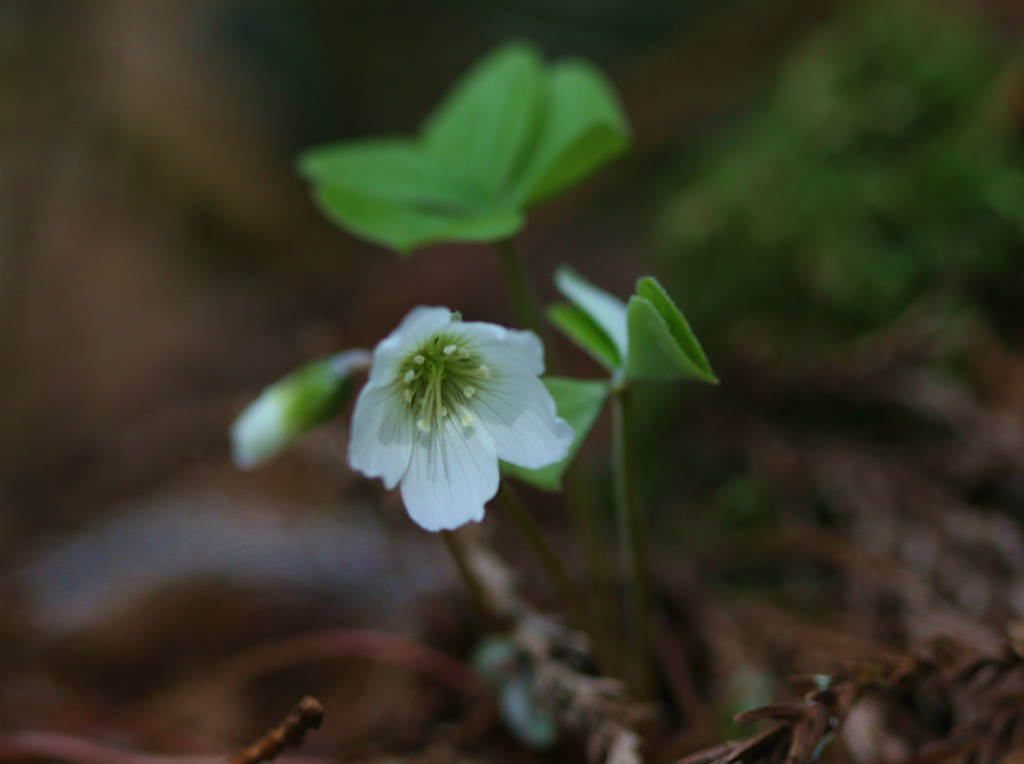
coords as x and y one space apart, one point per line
884 161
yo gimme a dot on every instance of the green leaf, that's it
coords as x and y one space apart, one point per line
678 326
482 130
394 194
584 128
578 402
661 344
607 311
392 169
405 228
509 134
584 331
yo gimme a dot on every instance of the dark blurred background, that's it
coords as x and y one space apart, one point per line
833 191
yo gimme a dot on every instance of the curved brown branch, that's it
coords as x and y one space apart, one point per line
359 644
341 644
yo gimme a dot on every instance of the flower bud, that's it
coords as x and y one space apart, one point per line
294 405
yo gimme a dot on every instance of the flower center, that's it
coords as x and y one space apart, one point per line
439 380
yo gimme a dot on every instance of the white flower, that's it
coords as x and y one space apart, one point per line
445 400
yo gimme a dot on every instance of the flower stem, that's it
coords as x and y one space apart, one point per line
632 532
524 302
549 558
513 270
476 589
582 508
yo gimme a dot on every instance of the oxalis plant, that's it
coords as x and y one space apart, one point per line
453 410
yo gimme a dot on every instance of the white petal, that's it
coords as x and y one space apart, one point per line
518 352
452 474
261 431
608 311
350 361
519 413
416 327
382 435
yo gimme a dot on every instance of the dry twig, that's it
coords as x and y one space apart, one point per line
308 714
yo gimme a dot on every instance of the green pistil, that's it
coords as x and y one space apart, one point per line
439 379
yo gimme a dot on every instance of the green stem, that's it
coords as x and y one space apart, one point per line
524 302
513 270
549 558
634 540
477 591
582 506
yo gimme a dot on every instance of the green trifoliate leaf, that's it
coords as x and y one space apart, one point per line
584 128
606 311
649 339
661 344
584 331
578 402
302 401
509 134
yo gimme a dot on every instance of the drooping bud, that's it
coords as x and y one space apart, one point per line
294 405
